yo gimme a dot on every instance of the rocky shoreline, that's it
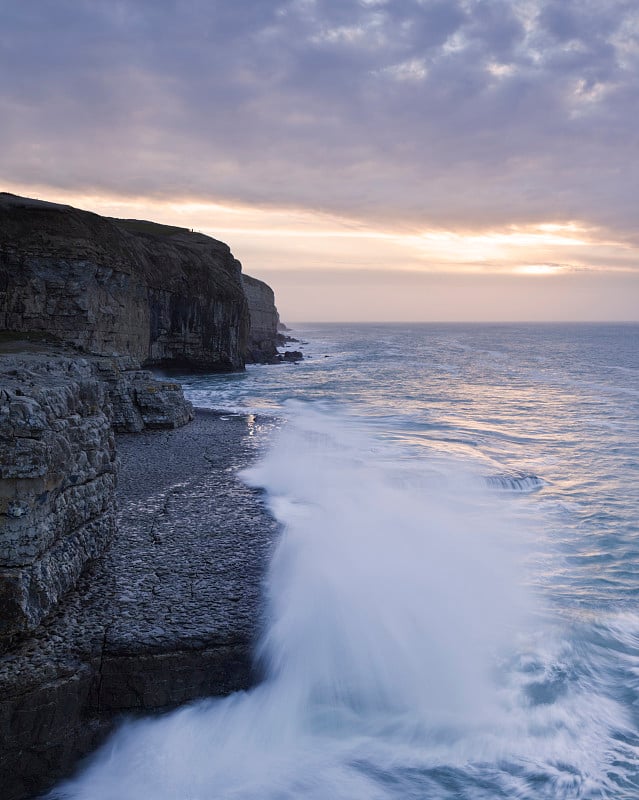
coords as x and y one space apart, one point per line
58 467
131 556
168 614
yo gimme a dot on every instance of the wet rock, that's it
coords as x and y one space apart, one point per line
283 340
169 613
292 356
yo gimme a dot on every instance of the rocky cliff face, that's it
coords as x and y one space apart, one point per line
168 611
58 415
149 293
264 319
57 471
125 293
139 400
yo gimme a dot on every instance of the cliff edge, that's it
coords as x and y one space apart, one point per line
152 294
105 610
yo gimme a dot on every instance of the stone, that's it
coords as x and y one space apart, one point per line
170 612
58 470
264 319
139 400
57 484
105 611
292 356
150 294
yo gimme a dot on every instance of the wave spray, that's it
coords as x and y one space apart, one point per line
393 612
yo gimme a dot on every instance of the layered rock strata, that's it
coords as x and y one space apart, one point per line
139 400
168 614
58 469
150 294
264 319
169 610
57 483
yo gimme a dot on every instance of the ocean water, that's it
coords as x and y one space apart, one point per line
452 608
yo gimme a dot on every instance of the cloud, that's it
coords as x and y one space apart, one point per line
457 113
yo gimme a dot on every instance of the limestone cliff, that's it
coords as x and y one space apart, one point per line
150 293
85 303
57 484
125 293
264 319
169 613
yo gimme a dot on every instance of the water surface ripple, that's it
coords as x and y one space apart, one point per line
452 607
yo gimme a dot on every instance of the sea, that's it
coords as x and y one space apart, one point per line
452 607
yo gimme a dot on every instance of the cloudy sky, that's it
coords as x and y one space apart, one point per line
370 159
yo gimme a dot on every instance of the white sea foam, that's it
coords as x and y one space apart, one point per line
400 652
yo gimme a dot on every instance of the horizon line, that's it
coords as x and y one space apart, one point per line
467 322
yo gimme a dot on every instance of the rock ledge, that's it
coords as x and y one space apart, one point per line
169 613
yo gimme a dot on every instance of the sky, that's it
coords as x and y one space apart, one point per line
416 160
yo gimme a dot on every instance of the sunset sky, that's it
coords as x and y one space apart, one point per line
371 159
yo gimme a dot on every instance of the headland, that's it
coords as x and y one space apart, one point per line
131 556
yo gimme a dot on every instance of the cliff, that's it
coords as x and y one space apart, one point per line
58 469
124 293
262 340
169 613
103 611
151 294
57 484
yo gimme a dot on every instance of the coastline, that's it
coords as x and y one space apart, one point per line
168 614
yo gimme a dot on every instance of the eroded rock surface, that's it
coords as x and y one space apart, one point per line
168 614
58 469
150 294
57 483
264 319
158 605
139 400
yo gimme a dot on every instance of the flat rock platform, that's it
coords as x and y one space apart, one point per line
171 612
